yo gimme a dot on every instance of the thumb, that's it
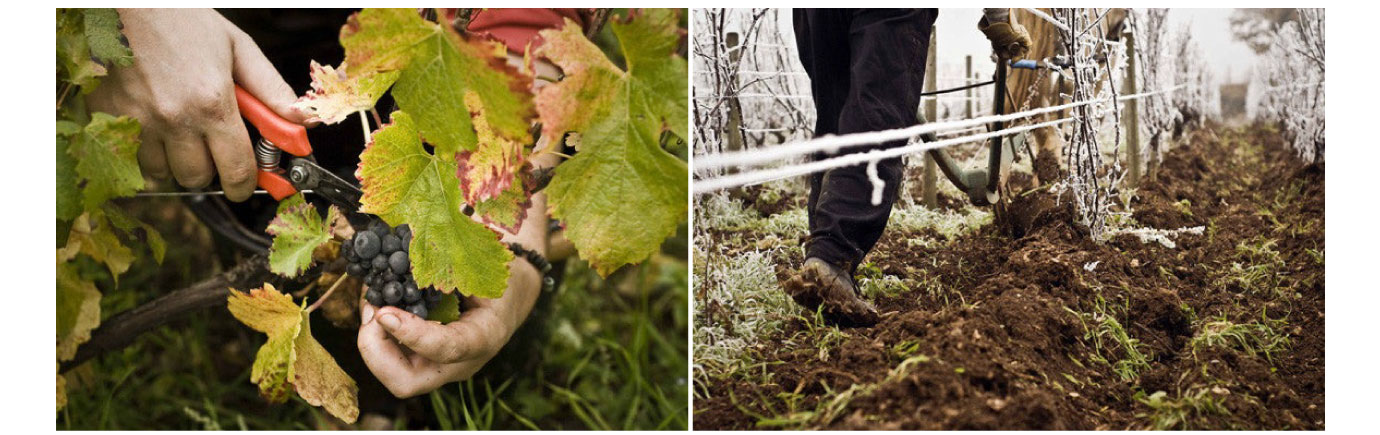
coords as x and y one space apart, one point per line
256 74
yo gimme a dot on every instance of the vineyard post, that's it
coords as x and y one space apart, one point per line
930 180
1132 114
734 130
968 94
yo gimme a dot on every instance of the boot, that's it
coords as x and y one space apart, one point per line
820 283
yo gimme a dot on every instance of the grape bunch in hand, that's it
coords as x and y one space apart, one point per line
379 255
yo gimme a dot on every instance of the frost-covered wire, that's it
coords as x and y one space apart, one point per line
832 144
762 175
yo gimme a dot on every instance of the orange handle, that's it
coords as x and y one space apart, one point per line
283 133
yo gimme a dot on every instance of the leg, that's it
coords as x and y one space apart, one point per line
824 54
886 71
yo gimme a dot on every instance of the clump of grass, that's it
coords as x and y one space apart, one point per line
1109 338
948 223
738 303
1182 412
836 404
1257 270
1254 338
874 283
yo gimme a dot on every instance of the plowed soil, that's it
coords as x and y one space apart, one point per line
1015 338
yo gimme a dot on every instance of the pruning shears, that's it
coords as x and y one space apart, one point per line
302 172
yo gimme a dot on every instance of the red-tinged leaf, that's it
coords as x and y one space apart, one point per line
487 171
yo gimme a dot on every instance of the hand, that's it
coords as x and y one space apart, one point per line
181 88
1009 40
412 356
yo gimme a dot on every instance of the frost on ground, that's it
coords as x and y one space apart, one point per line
739 301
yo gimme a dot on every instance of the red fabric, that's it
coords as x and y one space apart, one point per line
517 27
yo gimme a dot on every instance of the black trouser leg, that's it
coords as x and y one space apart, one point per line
867 70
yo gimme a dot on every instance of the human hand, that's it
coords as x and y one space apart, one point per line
181 87
1009 39
412 356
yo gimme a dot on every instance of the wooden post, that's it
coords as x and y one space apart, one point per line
1131 118
930 180
968 94
734 130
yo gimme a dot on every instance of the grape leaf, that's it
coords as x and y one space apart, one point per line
61 389
509 208
447 310
74 64
487 171
297 231
107 44
78 309
91 235
68 194
107 166
334 96
126 223
291 358
438 67
621 195
404 184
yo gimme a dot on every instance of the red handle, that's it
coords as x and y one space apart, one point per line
283 133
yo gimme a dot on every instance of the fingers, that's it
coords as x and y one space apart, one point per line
188 158
151 156
384 358
256 74
234 159
434 341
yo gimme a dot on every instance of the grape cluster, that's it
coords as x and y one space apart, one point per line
379 255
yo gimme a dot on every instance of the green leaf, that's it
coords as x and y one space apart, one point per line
291 358
404 184
509 208
622 194
78 309
68 194
438 67
447 310
297 231
128 224
334 96
107 166
91 235
74 64
102 29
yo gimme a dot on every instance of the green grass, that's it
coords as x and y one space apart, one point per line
1265 337
1180 413
1112 344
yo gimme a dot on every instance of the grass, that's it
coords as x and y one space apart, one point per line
1258 269
1109 338
1180 413
1265 337
836 404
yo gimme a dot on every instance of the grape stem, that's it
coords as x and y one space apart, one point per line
329 291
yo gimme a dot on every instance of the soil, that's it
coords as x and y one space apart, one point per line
1007 347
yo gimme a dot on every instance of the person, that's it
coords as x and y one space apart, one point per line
867 70
181 89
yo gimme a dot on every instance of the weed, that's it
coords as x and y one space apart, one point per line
1260 337
1180 413
1108 335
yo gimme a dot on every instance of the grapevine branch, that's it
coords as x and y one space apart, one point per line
121 329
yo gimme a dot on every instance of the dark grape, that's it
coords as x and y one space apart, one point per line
347 250
392 293
355 269
388 275
374 296
418 309
379 228
404 234
433 297
380 263
367 245
399 262
391 244
411 294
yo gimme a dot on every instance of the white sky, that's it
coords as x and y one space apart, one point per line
958 36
